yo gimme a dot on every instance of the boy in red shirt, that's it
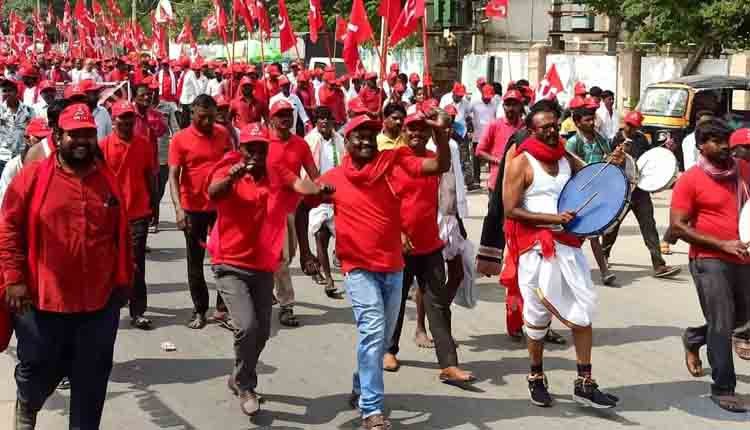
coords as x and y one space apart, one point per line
705 213
423 251
130 157
192 154
245 245
369 246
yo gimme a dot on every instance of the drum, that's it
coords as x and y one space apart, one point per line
599 194
658 170
745 222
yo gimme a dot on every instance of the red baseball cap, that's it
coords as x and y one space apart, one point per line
362 121
245 81
590 103
283 80
122 107
221 101
254 132
29 71
580 89
416 117
513 95
73 91
414 78
76 117
357 106
395 67
459 89
90 85
303 76
481 81
488 92
46 85
38 128
740 136
273 70
280 106
451 110
330 77
634 118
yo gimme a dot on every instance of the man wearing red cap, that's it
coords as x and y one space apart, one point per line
305 91
36 132
476 96
705 212
492 143
192 154
189 88
247 109
370 249
482 113
14 116
167 82
330 94
101 116
67 266
411 89
28 88
370 94
47 94
635 144
130 157
244 246
457 97
292 99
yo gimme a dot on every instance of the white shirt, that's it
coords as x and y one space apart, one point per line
462 107
292 79
482 114
462 204
212 87
689 151
299 108
9 172
350 94
40 108
83 75
74 75
190 88
608 124
103 122
29 96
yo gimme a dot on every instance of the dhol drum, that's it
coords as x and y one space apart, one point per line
599 194
658 170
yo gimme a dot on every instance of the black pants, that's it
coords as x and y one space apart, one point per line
195 239
249 297
725 301
80 346
430 273
183 118
161 184
643 209
138 299
476 163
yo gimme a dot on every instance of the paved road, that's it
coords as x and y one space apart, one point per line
305 372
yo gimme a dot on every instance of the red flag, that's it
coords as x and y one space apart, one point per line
67 19
186 35
241 7
114 8
390 10
341 25
550 86
260 13
286 33
83 16
408 21
357 31
497 9
96 8
221 20
210 24
158 37
315 18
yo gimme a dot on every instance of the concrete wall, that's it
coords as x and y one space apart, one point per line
593 70
657 69
519 25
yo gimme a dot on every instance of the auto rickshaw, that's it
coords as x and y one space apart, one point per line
671 108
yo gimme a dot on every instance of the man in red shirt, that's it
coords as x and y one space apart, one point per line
245 247
705 213
369 246
330 95
492 144
247 109
288 151
66 258
371 95
423 251
130 157
192 154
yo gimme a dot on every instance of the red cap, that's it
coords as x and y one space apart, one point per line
416 117
46 85
399 87
221 101
414 78
89 85
580 89
590 103
459 89
330 77
38 128
357 106
362 121
481 81
634 118
370 75
488 92
280 106
254 132
392 76
73 90
283 80
121 107
184 62
741 136
577 102
273 70
245 81
427 81
197 64
513 95
76 117
451 110
303 76
29 71
395 68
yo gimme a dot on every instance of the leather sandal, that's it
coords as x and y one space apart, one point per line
741 347
730 403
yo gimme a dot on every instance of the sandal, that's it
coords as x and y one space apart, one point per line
692 360
141 323
554 337
741 347
198 321
287 318
334 293
729 403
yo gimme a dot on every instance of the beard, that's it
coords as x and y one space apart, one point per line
75 161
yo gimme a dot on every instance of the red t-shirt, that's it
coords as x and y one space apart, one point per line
133 165
197 153
712 207
247 113
335 101
493 141
292 155
419 206
366 212
246 234
371 98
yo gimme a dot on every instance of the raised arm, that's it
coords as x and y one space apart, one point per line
441 136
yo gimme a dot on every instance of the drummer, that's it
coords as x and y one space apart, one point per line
592 147
704 213
635 144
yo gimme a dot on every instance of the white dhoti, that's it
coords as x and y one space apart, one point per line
320 216
563 282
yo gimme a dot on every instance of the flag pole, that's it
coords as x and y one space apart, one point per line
426 52
234 33
262 55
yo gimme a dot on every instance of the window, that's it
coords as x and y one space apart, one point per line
664 102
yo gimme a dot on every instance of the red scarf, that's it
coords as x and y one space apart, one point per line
370 172
541 151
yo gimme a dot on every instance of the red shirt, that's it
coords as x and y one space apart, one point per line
166 88
419 207
246 234
292 156
245 113
133 165
150 126
336 102
366 212
77 257
307 97
712 207
493 141
197 153
371 98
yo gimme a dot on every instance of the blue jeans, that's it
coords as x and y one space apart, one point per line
376 299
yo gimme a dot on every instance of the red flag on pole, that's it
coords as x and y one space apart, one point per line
357 31
67 19
114 8
286 33
315 18
408 21
341 25
241 8
186 35
83 16
261 15
390 10
221 20
497 9
550 86
96 8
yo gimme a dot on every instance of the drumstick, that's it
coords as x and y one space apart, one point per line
586 203
591 179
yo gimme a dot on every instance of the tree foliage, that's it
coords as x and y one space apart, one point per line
714 24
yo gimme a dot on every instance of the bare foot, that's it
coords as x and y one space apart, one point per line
422 340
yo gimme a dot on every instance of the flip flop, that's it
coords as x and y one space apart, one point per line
334 293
